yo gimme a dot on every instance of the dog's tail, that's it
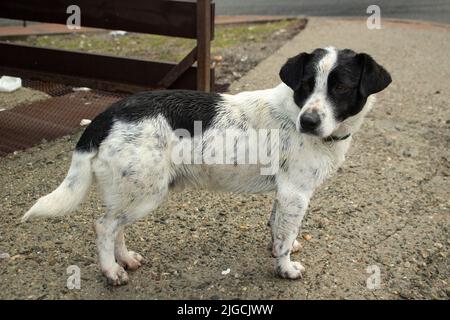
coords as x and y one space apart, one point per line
70 193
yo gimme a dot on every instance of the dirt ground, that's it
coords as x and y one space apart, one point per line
20 96
388 207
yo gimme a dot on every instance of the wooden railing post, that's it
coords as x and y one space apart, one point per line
203 45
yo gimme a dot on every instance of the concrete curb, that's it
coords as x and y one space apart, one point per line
406 22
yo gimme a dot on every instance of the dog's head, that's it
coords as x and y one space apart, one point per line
330 86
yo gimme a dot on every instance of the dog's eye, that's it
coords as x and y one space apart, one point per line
341 88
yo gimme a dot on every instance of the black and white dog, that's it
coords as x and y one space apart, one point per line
150 143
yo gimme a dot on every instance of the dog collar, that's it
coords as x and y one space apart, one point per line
336 139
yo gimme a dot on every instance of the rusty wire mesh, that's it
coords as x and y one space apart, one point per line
29 124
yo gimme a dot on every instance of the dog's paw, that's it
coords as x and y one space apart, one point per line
132 261
116 276
296 247
290 270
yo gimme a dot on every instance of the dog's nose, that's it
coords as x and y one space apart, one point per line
309 121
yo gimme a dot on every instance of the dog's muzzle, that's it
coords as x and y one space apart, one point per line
309 122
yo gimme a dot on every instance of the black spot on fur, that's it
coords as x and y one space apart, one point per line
354 78
352 81
299 73
271 179
180 107
72 180
284 254
284 165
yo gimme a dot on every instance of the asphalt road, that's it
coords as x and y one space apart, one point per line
429 10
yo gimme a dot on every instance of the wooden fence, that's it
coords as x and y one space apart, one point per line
178 18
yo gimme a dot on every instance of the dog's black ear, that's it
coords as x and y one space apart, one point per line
292 71
374 77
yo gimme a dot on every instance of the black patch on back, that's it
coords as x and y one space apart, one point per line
179 107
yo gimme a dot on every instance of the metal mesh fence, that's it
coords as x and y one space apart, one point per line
29 124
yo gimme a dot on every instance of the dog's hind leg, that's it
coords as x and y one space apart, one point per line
134 180
113 254
130 260
106 229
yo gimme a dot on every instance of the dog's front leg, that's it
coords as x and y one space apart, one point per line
289 210
295 247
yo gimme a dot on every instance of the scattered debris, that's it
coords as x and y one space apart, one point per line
225 272
77 89
218 59
117 33
237 74
85 122
4 256
10 84
307 237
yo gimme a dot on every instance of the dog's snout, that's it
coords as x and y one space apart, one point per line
309 121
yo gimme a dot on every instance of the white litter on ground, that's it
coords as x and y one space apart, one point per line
76 89
10 84
225 272
85 122
117 33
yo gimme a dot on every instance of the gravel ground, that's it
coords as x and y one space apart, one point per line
388 206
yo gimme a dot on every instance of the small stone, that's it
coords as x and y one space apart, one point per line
218 58
237 74
4 256
85 122
225 272
307 237
244 58
438 245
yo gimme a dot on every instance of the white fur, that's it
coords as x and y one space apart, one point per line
70 193
319 98
134 169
